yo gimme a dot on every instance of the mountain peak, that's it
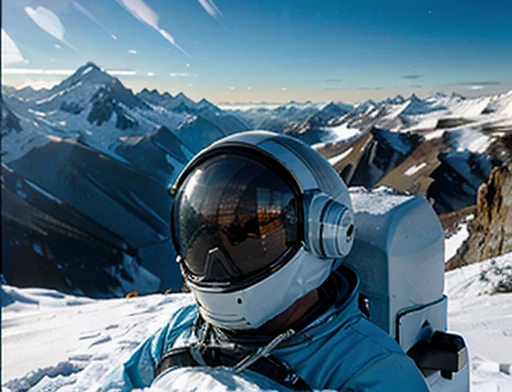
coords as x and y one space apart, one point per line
89 64
414 98
88 73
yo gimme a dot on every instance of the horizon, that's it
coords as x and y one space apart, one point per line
265 51
65 74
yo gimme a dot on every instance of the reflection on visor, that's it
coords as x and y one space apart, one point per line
234 217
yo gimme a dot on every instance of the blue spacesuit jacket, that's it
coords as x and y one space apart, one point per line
341 350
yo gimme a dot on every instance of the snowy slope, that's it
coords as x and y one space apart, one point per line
484 320
52 341
55 342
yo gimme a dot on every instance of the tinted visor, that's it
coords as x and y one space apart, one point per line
232 218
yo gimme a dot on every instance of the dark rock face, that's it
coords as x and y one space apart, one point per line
9 121
115 217
386 151
107 101
447 123
457 179
329 112
490 233
160 154
71 107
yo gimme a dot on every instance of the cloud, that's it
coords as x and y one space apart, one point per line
212 9
284 88
485 83
412 77
30 71
141 11
85 12
57 46
151 74
181 74
49 22
60 72
122 73
132 51
10 52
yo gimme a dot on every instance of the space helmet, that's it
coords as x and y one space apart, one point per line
259 220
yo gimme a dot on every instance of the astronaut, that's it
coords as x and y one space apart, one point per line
261 224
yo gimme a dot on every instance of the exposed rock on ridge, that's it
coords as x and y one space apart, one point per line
490 233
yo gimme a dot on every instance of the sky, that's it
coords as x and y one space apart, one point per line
265 50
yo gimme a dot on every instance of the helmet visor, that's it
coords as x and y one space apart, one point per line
232 218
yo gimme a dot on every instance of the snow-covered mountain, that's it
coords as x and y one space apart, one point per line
278 118
90 105
109 156
90 126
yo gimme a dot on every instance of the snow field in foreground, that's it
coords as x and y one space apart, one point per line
484 319
56 342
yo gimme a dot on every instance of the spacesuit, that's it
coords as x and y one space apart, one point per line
261 224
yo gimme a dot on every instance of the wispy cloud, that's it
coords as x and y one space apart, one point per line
141 11
122 72
60 72
49 22
10 52
85 12
132 51
212 9
412 77
32 71
484 83
182 74
151 74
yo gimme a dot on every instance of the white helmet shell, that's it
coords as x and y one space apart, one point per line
328 234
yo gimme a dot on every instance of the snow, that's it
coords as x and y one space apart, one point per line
206 379
57 342
343 131
481 144
484 320
41 114
339 134
435 134
377 202
414 169
53 341
454 242
334 160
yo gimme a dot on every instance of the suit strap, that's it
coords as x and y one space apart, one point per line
269 366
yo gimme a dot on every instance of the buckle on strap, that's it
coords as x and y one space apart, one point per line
263 351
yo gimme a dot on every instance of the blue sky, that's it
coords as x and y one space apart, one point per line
244 50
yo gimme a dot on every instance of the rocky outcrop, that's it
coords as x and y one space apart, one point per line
385 152
490 233
458 178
